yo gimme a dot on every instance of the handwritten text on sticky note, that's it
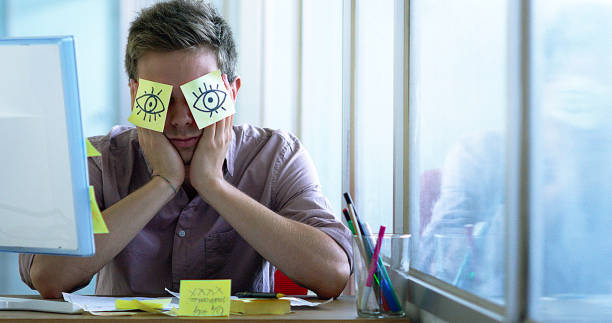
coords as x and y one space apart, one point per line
151 105
205 297
208 99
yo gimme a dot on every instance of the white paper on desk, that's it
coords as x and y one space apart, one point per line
295 301
105 304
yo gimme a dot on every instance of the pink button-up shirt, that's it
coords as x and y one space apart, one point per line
187 239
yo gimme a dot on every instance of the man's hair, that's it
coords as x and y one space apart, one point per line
180 24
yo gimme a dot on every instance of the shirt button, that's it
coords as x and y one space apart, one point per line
181 233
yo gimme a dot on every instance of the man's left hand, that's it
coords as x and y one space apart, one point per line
206 169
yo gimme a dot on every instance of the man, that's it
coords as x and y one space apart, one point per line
222 202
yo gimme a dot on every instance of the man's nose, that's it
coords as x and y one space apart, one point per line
180 115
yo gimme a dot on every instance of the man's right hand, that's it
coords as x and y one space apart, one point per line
162 156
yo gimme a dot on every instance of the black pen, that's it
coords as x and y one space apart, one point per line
259 295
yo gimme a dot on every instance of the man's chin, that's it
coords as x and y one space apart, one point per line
186 156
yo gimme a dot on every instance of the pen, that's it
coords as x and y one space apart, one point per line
373 263
348 220
259 295
381 234
389 297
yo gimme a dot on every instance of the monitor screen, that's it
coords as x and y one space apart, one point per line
44 196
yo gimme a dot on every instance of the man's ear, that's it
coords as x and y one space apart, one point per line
133 90
235 85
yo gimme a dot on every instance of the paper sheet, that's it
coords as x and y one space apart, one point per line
295 301
107 304
151 105
99 226
208 99
299 302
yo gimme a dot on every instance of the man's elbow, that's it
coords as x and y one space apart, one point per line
336 282
51 283
48 287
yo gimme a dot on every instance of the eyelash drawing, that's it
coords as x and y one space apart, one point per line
152 106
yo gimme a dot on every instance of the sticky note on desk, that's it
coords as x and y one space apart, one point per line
151 105
91 150
147 305
208 99
205 297
99 226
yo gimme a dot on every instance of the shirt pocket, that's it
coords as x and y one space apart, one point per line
218 251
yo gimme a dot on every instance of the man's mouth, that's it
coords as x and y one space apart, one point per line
184 142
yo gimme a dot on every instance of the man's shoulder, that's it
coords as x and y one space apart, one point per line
252 137
119 142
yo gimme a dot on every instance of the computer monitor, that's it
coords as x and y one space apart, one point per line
44 184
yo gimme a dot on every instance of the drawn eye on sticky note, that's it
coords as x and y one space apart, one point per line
151 105
208 99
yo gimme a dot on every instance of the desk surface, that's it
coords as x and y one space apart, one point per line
340 310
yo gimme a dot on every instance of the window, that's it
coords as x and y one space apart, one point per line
458 103
373 114
510 106
571 137
97 54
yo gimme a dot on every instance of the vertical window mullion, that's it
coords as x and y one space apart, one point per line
348 84
400 124
517 181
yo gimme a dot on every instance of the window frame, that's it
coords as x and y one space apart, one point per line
423 294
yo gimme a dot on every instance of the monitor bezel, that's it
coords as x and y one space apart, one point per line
76 147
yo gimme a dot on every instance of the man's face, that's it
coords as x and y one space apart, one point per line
177 68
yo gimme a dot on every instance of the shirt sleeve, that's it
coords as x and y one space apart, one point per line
26 260
298 195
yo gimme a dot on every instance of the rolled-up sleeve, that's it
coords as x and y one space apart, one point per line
299 197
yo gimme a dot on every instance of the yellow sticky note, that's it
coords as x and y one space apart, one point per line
99 226
91 150
208 99
147 305
205 297
151 105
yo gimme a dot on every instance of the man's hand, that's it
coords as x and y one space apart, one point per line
206 169
162 156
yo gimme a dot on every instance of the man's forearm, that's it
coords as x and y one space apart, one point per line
53 274
302 252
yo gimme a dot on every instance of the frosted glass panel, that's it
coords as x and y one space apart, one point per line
571 153
458 101
374 112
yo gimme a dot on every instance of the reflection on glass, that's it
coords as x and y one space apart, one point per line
458 101
571 182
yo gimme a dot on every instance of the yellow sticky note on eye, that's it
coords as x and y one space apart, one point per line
205 297
208 99
99 226
91 150
151 105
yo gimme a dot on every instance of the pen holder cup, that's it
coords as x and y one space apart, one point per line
380 299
